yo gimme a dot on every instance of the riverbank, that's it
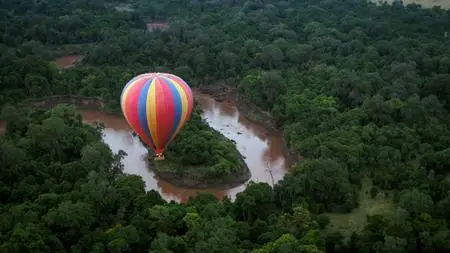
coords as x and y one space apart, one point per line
223 93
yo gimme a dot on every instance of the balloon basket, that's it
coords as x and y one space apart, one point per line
159 158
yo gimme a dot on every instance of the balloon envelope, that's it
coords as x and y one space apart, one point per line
156 106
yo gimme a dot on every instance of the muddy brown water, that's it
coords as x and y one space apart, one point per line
263 152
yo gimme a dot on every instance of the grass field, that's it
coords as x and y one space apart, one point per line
425 3
356 220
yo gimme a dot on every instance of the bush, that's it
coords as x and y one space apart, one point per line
374 191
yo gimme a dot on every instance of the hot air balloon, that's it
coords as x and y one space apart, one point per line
156 106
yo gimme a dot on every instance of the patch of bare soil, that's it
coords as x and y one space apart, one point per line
68 61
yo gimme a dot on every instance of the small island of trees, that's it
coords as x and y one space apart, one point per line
201 157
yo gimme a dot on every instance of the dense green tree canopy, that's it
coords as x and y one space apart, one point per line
360 90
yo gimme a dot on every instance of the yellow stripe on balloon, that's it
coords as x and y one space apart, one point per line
151 112
184 106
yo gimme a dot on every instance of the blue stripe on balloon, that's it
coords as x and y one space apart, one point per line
142 109
177 104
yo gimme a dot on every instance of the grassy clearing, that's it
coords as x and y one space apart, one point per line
425 3
356 220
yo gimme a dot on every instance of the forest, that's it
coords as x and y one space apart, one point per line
361 90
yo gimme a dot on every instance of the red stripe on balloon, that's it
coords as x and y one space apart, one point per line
131 109
169 109
160 114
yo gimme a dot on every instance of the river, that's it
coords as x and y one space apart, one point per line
263 152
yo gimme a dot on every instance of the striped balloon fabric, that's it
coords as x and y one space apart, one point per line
156 106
